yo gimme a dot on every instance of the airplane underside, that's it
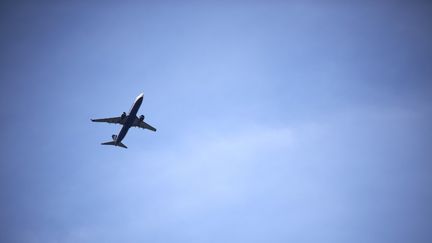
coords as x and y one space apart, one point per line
127 121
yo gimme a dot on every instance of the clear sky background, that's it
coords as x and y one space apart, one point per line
277 121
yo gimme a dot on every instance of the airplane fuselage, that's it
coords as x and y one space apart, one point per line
130 118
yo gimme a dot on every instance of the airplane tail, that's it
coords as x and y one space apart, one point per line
114 142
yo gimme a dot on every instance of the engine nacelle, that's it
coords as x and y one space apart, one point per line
141 118
123 115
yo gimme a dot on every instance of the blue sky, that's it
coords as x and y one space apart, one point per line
277 122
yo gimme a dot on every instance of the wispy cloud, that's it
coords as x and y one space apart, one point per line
213 166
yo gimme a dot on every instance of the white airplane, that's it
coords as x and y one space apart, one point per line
127 121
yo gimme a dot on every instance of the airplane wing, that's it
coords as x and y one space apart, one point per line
116 120
141 124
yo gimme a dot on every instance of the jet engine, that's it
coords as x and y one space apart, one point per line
123 115
141 118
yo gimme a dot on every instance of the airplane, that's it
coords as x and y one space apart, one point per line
127 121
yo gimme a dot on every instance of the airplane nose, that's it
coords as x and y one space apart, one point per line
140 97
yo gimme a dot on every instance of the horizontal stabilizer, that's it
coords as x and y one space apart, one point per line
115 144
